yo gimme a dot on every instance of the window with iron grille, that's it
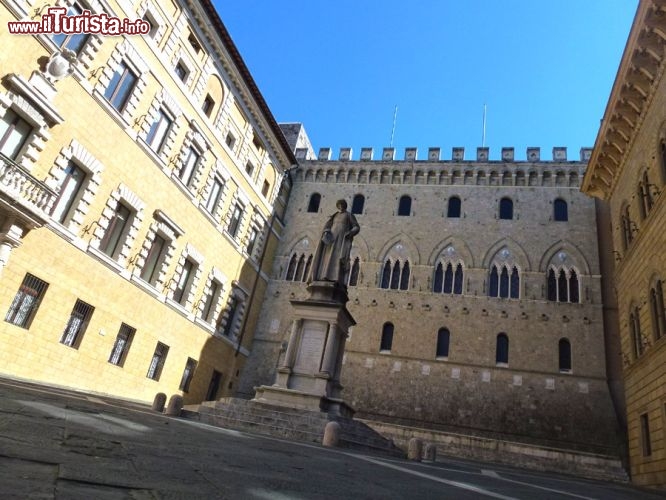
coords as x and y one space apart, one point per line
188 374
77 324
157 362
122 345
24 306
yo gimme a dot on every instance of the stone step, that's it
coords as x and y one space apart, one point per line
288 423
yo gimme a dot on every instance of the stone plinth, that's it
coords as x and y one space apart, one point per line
309 377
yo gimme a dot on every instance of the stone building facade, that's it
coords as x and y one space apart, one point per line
628 170
140 195
476 290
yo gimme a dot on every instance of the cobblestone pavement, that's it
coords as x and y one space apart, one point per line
59 444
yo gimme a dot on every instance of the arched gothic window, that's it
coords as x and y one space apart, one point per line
506 209
299 267
387 338
562 285
564 348
644 196
635 330
395 275
448 278
504 281
405 205
354 272
627 227
443 338
453 210
313 205
560 210
357 204
657 310
502 349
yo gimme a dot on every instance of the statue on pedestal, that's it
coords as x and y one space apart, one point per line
331 259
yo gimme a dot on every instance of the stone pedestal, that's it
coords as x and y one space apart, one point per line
309 377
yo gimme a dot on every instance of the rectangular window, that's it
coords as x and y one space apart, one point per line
159 131
122 345
151 268
157 362
188 374
249 168
645 435
14 133
184 284
189 166
259 146
234 222
75 41
251 240
232 312
24 306
230 140
211 301
154 25
194 43
116 231
69 193
208 105
265 189
181 71
214 196
77 324
121 86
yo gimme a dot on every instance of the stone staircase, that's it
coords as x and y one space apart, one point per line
288 423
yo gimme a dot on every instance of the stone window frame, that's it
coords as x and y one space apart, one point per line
236 316
36 142
503 208
627 225
123 52
157 228
386 338
194 141
162 102
181 56
258 223
124 195
220 173
390 263
243 200
643 194
93 43
314 203
564 213
192 254
214 276
443 330
504 361
149 8
450 209
636 337
355 260
84 159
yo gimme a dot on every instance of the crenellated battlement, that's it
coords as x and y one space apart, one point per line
533 154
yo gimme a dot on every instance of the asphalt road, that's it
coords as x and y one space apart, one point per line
58 444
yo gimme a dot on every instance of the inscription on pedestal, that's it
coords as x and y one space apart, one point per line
311 348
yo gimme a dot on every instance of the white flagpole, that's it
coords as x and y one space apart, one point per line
395 115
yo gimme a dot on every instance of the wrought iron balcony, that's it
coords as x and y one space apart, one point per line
23 194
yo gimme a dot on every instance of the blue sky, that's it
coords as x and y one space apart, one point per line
544 69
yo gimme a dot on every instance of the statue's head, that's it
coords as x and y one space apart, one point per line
341 205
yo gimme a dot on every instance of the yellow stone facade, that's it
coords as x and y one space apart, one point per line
161 171
628 170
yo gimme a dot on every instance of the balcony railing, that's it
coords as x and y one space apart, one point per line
19 184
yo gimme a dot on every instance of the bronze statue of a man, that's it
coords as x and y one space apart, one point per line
331 259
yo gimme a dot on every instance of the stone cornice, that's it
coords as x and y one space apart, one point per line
640 71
